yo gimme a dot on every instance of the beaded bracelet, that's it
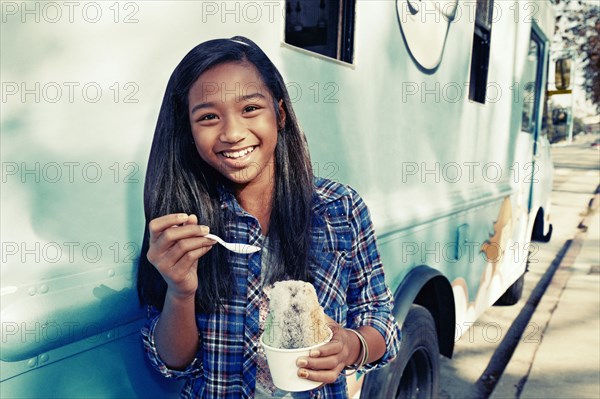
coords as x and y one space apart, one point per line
364 352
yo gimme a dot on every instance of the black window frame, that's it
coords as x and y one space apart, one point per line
339 37
480 55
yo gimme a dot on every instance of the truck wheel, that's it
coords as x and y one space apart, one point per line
415 372
538 229
513 294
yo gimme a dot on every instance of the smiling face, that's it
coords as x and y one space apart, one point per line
234 124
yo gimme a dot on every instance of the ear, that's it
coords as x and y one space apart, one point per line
282 115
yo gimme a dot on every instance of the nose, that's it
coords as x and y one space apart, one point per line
234 131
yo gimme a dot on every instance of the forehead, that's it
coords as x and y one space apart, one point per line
227 81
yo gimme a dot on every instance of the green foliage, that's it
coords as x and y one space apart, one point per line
578 30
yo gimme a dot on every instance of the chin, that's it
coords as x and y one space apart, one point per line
241 178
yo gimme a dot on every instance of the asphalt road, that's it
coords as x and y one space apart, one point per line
497 355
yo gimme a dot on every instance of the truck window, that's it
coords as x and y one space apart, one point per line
529 88
480 57
323 27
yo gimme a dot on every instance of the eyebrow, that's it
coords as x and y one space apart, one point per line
240 98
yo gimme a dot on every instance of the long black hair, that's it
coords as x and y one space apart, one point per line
178 180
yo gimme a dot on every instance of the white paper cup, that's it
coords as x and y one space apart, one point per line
282 364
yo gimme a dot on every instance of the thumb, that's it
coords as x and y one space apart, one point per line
332 324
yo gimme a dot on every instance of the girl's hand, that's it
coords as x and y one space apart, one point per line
176 244
327 362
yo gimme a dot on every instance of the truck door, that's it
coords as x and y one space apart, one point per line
539 172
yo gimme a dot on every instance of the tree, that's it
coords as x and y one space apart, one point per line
578 30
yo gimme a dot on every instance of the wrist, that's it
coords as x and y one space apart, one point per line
355 349
363 353
176 296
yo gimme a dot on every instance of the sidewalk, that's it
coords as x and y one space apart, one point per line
567 361
559 352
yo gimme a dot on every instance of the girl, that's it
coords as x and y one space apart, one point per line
228 156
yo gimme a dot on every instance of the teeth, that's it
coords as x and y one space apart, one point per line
238 154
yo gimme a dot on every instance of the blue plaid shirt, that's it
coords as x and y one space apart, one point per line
348 277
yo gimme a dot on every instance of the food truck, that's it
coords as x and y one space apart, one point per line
431 110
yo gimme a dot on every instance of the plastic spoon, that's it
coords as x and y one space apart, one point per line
235 247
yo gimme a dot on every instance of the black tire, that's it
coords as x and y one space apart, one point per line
513 294
415 373
538 229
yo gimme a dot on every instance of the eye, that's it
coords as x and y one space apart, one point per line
250 108
207 117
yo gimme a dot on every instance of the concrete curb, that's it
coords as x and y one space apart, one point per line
529 374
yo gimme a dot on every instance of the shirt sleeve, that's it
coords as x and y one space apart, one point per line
193 369
369 299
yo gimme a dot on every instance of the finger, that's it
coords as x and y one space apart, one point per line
158 225
331 348
335 345
192 219
172 235
184 246
189 259
325 376
166 255
320 363
332 324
